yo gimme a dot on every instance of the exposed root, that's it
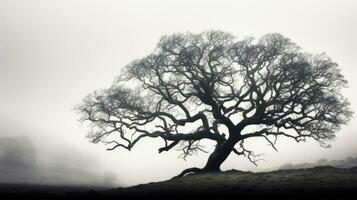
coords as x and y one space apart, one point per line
188 171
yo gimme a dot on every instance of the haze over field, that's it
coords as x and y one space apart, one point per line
53 53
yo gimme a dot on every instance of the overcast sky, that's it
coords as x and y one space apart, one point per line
53 53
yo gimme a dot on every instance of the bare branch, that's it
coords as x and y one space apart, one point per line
195 85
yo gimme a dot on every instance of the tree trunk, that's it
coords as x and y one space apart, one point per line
219 155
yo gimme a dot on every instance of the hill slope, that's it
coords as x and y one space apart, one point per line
318 181
325 181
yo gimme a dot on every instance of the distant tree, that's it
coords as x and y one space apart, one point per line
210 86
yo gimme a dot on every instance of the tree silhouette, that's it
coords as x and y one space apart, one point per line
210 86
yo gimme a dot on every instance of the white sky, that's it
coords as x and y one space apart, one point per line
53 53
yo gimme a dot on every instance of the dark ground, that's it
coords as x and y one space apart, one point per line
318 182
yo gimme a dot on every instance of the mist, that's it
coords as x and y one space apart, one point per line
345 163
53 53
24 161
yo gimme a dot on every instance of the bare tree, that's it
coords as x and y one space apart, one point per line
210 86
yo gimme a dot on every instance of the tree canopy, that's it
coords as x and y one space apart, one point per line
212 86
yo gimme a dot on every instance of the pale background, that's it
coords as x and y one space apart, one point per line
53 53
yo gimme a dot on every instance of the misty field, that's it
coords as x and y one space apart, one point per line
319 181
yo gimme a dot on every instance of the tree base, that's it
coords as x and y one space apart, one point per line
195 170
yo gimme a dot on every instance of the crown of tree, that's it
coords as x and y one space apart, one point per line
212 86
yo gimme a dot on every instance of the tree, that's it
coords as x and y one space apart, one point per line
210 86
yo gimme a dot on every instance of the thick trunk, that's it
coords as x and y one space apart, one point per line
219 155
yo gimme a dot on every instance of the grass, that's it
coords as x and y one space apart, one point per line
318 181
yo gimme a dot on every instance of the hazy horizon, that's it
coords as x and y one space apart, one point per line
53 53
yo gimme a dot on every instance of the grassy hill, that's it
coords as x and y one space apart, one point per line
325 181
312 182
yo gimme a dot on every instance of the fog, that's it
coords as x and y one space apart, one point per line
345 163
23 160
53 53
